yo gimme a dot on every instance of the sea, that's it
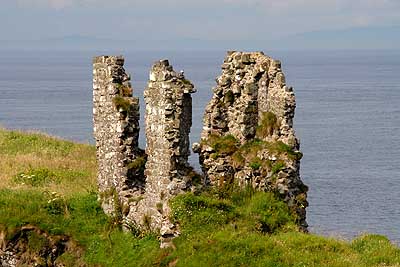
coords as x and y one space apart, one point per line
347 119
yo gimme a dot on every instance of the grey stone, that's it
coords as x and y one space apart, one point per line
250 85
258 87
115 129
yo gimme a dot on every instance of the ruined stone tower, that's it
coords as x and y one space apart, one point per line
134 185
116 130
247 138
168 122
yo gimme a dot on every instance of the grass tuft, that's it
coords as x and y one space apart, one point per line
223 145
121 103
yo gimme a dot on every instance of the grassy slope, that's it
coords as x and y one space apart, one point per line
51 183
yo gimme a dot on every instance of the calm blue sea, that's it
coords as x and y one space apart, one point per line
347 117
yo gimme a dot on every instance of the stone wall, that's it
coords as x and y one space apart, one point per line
247 138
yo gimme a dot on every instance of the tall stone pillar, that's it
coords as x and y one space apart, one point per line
168 121
116 130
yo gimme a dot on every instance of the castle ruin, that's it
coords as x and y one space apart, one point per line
247 138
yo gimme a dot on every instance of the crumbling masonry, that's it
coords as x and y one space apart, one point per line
116 130
134 186
247 138
248 135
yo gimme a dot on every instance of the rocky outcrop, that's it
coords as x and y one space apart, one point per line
248 136
30 246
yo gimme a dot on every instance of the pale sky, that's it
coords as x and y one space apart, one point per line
202 19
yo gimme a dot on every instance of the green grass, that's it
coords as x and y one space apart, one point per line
14 142
255 229
80 217
248 153
277 167
35 177
281 147
34 159
218 228
223 145
256 163
44 176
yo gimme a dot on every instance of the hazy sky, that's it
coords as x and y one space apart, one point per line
203 19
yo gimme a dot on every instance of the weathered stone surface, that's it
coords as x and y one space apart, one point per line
238 144
168 121
137 186
116 130
247 138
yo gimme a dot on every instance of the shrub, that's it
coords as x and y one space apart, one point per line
124 90
239 196
195 177
252 147
248 152
187 82
56 204
238 160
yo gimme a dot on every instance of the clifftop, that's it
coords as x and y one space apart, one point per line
50 216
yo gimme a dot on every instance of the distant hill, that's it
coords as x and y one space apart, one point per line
354 38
